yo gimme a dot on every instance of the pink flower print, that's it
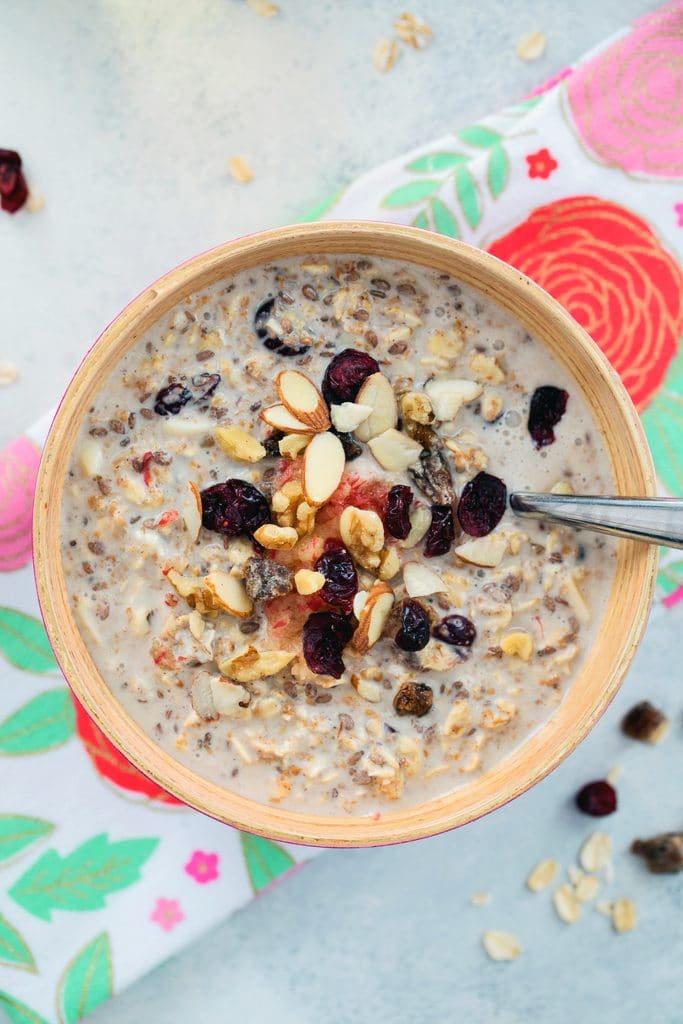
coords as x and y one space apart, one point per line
551 82
167 914
541 164
678 210
203 867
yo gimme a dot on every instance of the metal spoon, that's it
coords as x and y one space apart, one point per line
653 520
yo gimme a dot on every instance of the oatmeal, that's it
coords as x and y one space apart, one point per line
287 538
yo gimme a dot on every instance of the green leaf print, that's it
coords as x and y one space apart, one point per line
322 207
468 196
19 1013
435 162
18 832
477 135
87 981
412 192
663 422
84 878
444 221
498 170
421 221
45 722
24 642
670 577
265 860
13 949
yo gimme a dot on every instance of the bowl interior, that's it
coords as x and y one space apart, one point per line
628 603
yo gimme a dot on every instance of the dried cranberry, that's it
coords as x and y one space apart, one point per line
482 504
341 578
455 630
234 507
547 407
414 699
205 384
268 334
345 373
324 636
13 187
170 400
396 515
597 799
441 532
413 632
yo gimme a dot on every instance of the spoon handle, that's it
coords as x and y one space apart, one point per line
653 520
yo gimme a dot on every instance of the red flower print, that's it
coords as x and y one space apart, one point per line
678 210
167 914
541 164
13 187
203 867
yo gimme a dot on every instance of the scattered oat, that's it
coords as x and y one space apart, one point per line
566 903
596 852
480 899
614 774
501 945
240 170
413 30
624 916
263 8
574 874
385 54
542 875
531 46
604 907
8 372
587 888
35 202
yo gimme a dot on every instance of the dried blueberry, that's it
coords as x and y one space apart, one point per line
397 512
597 799
325 635
171 399
234 507
413 631
345 374
441 532
414 699
482 504
455 630
268 329
272 444
645 722
341 578
547 407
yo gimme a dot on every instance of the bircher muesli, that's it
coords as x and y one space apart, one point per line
288 544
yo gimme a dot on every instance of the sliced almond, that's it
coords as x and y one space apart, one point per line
239 444
367 689
420 521
280 418
542 875
90 457
484 551
449 394
292 445
349 415
301 398
373 617
185 586
420 581
324 462
192 512
228 594
394 450
501 945
308 582
250 664
276 538
359 602
378 393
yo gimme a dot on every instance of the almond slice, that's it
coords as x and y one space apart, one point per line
227 593
185 586
395 451
484 551
238 444
324 462
226 696
250 664
378 393
420 581
301 398
192 512
280 418
373 617
349 415
449 394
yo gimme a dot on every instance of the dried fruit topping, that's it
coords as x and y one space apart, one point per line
597 799
204 385
663 854
432 475
13 187
397 512
272 444
325 635
547 407
265 579
270 331
455 630
645 722
482 504
234 507
441 532
413 632
414 699
341 578
345 374
352 448
171 399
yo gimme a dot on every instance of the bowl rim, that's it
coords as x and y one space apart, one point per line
461 805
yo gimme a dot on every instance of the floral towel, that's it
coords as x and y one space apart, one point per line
581 187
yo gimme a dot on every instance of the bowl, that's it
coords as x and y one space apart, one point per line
627 605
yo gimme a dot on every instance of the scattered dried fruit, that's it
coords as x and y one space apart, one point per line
325 634
542 875
397 512
270 331
234 507
377 392
501 945
663 854
455 630
547 407
340 576
441 532
302 399
345 374
413 631
482 504
433 476
240 170
323 468
171 399
238 444
645 722
597 799
413 699
531 46
13 187
265 579
624 915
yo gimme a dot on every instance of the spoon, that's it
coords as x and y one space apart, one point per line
653 520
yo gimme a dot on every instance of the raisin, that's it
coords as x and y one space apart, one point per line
171 399
413 631
455 630
482 504
352 448
267 311
13 187
432 476
597 799
265 579
663 853
546 409
272 444
234 507
345 374
325 635
205 384
341 578
645 722
441 532
414 699
397 512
